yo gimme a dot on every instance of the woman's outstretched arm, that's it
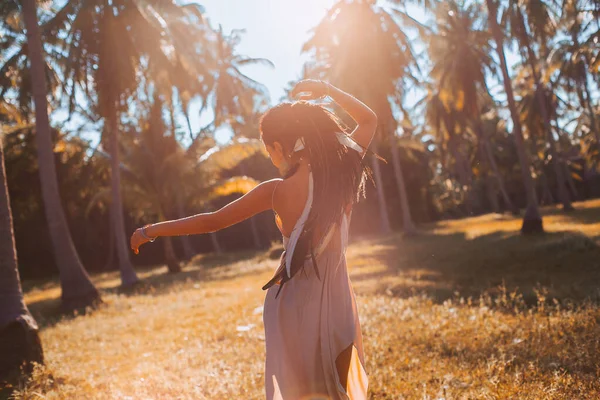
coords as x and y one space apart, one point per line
255 201
365 118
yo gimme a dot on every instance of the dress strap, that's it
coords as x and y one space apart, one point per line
299 227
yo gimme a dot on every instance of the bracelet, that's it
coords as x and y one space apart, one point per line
145 236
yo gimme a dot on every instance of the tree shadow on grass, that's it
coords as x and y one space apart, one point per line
440 266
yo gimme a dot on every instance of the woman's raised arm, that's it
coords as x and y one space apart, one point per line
255 201
364 117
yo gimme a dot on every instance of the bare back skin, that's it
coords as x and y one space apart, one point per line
289 199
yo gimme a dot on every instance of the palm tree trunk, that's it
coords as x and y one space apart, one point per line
128 275
408 224
169 252
489 155
539 94
464 175
111 245
383 213
19 340
170 257
77 288
570 181
532 221
188 249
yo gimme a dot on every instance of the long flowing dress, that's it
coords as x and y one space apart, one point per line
309 324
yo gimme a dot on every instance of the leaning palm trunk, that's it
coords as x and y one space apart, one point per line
560 180
409 226
77 288
383 213
532 221
128 275
19 340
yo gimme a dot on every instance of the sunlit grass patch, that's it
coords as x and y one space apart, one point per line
466 309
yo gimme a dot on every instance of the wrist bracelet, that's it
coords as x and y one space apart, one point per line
145 235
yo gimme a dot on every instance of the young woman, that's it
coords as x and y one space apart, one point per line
312 332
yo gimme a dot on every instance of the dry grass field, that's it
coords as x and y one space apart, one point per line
466 309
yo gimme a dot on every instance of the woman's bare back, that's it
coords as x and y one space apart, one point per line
289 199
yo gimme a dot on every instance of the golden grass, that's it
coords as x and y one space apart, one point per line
463 310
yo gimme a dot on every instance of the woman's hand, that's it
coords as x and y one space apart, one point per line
137 239
310 89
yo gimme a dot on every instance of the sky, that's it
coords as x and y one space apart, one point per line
274 29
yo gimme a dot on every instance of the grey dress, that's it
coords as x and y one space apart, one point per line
310 323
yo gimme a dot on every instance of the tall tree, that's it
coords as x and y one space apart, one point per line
576 57
532 220
19 340
530 20
77 288
460 54
139 33
361 48
233 96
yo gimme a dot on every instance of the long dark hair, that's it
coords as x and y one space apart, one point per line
339 173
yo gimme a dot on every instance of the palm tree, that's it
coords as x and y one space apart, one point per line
359 47
449 128
155 168
576 57
98 30
532 220
231 94
460 54
19 340
77 289
541 25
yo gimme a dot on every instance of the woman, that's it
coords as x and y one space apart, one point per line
312 332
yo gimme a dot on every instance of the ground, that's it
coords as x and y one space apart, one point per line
466 309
